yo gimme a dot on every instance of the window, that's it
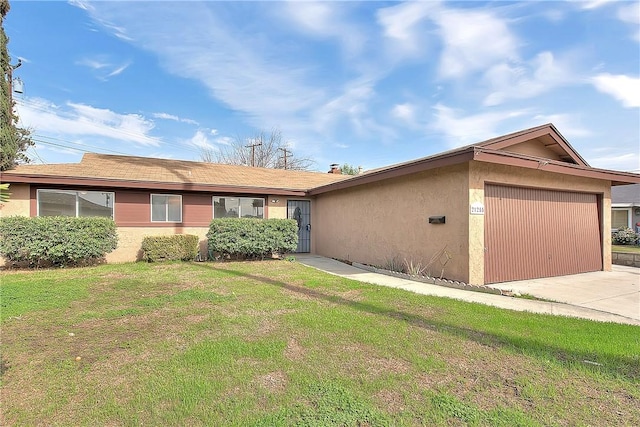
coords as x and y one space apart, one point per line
166 208
620 218
75 203
238 207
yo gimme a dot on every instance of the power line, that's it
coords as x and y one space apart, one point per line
77 143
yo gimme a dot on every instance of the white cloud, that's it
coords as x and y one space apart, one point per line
224 140
75 119
103 66
167 116
465 130
401 25
565 123
92 63
473 40
118 70
522 80
624 88
404 112
352 107
228 59
324 20
592 4
630 13
629 162
200 141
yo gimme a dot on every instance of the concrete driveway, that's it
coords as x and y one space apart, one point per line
616 291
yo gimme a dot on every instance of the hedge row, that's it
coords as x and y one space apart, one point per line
252 238
56 240
182 247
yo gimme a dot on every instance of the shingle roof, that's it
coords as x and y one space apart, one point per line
626 194
145 169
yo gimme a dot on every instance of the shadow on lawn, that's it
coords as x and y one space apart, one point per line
627 367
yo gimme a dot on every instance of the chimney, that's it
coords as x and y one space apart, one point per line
359 170
335 169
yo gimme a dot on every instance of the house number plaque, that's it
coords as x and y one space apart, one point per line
477 208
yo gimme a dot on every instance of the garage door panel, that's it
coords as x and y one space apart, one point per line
532 233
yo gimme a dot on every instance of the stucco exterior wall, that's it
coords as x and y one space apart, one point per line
130 240
481 173
377 222
18 203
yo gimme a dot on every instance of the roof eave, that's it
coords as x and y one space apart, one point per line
447 159
530 162
147 185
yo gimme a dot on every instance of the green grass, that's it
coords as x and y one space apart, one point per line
275 343
629 249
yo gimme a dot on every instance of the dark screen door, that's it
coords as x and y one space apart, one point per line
300 210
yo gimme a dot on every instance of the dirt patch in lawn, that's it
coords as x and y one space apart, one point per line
274 382
294 351
390 400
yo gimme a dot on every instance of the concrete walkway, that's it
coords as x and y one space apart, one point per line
616 291
332 266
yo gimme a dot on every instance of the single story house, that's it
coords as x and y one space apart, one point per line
520 206
625 207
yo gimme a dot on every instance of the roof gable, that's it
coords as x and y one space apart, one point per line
537 142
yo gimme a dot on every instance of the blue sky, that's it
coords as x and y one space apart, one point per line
364 83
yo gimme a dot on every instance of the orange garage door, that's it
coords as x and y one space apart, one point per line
532 232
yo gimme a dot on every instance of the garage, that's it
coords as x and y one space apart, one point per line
536 232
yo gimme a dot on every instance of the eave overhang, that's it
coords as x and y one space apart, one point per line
530 162
445 159
147 185
482 155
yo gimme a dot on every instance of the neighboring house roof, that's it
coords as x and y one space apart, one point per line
625 195
507 150
163 174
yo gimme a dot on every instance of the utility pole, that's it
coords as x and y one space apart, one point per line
10 73
284 155
253 152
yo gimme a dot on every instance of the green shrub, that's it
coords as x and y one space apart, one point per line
183 247
625 236
57 240
252 238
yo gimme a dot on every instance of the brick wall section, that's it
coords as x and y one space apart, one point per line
620 258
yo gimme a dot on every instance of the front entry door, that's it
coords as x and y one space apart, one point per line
300 210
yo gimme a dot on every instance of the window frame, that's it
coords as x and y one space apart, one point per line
151 195
629 217
77 204
213 204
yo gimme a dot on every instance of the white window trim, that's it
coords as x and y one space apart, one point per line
213 206
629 217
166 208
59 190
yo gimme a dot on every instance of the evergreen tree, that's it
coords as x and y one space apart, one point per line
14 140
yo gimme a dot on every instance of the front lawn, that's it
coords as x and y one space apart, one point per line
629 249
276 343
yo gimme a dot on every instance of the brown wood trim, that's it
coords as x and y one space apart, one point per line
545 130
529 162
516 139
448 159
146 185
